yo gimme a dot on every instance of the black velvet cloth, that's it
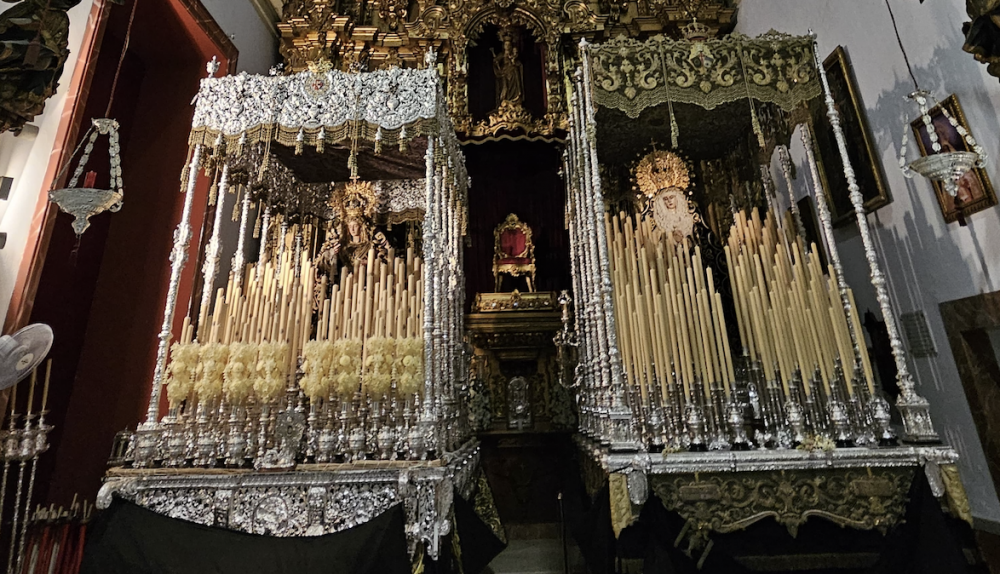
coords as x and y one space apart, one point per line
128 539
478 545
928 541
478 542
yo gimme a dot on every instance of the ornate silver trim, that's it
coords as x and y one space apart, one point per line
311 501
915 409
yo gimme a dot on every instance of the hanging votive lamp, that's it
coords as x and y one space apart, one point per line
945 166
948 167
87 201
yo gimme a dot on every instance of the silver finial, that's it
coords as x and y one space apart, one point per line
212 67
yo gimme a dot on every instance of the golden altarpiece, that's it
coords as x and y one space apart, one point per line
703 351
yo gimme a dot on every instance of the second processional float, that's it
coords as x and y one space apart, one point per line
721 354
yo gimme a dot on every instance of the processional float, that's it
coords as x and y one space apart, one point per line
321 385
712 376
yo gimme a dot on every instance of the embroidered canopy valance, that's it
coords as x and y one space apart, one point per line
324 106
632 75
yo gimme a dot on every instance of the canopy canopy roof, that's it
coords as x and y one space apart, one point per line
332 106
632 75
290 138
303 185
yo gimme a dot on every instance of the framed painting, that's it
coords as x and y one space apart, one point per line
974 189
860 147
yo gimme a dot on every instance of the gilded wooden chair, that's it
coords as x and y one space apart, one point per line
514 253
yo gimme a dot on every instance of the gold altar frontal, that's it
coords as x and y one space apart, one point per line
854 487
515 367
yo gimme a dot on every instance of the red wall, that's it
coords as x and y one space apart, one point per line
104 295
522 178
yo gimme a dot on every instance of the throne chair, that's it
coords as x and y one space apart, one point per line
514 253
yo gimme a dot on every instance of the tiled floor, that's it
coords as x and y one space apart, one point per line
541 556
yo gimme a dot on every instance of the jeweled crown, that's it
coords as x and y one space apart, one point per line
359 200
696 31
320 66
660 170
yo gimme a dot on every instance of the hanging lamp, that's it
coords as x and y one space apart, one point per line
947 167
87 201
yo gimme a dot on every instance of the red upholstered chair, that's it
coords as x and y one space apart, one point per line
514 252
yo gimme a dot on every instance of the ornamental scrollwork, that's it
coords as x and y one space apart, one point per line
396 33
310 503
192 505
631 75
316 108
860 498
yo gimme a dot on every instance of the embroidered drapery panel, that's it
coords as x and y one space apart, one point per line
632 75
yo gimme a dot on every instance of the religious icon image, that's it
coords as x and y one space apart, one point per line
672 215
354 233
975 191
663 178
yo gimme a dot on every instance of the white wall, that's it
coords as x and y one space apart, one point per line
29 159
256 40
927 262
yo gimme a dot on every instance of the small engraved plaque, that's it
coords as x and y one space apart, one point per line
699 492
873 487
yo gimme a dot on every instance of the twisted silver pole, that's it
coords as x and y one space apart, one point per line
38 446
262 250
10 446
826 224
786 171
239 260
178 257
210 268
14 520
621 414
915 410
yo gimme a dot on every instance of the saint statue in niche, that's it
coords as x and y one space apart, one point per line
509 73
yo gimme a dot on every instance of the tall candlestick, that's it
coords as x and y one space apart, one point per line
45 389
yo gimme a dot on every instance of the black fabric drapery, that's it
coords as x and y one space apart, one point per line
479 545
128 539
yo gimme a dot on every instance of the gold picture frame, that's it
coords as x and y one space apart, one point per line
860 146
975 184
